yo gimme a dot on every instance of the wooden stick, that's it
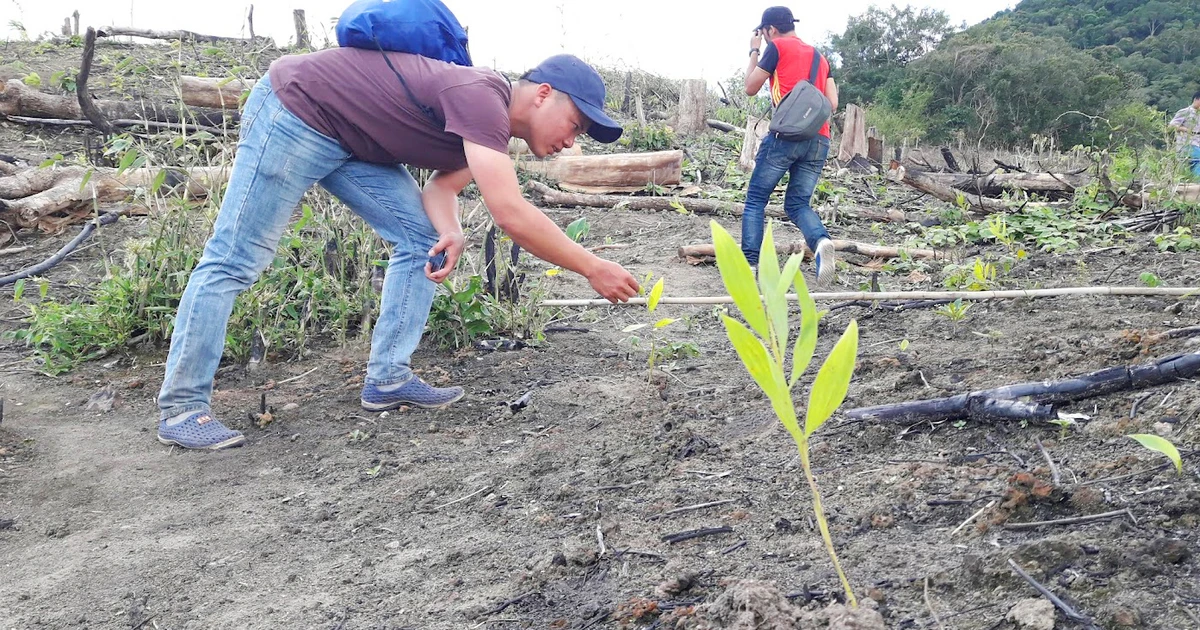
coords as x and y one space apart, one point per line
973 517
696 533
1015 294
1054 475
459 500
698 506
707 250
658 204
15 250
121 122
928 604
1075 520
113 31
1058 603
86 104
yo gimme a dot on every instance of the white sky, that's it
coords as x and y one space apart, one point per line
676 38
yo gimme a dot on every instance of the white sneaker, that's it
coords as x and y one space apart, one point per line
826 262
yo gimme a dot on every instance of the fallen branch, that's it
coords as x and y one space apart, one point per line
1058 603
705 252
128 31
696 533
29 196
122 123
60 255
86 104
219 93
925 183
1075 520
659 204
723 126
618 171
1014 294
1045 393
18 99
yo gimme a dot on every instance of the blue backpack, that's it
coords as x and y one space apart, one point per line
421 27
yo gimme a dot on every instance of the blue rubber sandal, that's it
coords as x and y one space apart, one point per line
199 431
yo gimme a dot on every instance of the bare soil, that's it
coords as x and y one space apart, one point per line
553 516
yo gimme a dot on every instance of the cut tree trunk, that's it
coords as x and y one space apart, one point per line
30 197
723 126
212 92
128 31
998 183
693 103
756 130
18 99
854 134
659 204
951 163
925 183
301 29
705 252
518 147
1048 393
628 172
874 148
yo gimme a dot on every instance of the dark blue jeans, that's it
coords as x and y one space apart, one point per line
803 162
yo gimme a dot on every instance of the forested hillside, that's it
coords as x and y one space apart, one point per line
1077 71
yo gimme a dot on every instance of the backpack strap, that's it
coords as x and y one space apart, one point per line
816 67
425 109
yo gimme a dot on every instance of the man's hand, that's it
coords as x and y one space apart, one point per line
756 39
612 282
452 243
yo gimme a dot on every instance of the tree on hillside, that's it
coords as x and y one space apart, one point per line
878 44
1000 87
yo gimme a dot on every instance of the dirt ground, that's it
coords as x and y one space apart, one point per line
553 516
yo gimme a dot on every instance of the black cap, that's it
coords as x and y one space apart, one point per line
777 16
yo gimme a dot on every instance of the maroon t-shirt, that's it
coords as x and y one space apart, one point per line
351 95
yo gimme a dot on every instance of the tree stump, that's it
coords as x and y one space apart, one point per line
854 134
301 29
693 101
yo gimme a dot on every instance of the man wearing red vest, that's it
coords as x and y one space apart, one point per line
786 62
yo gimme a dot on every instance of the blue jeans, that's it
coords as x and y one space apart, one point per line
1194 162
803 162
279 158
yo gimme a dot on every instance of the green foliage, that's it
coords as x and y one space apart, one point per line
318 286
1156 39
459 315
1149 279
32 79
64 80
652 137
955 311
762 343
980 276
877 45
1181 240
901 112
1160 445
661 349
735 116
578 229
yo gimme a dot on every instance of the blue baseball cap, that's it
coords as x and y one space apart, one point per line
571 76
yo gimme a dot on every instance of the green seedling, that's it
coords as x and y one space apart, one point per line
761 344
1161 445
1150 279
578 229
651 304
955 311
